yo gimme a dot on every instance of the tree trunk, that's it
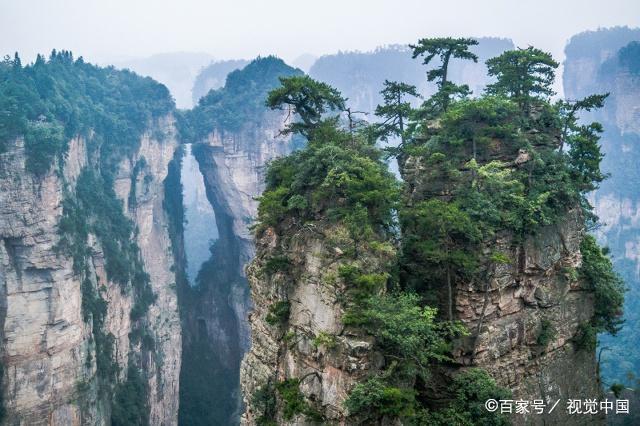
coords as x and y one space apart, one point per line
450 291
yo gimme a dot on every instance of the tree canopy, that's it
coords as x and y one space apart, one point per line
523 75
307 98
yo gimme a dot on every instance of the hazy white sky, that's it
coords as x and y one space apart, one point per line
104 30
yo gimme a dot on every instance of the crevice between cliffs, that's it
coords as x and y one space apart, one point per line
212 290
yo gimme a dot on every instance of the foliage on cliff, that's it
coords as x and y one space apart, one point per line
51 101
509 160
336 176
239 101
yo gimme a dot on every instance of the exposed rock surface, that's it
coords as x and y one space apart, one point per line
48 351
506 311
313 346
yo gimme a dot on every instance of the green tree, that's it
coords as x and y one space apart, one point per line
407 332
569 113
445 48
439 237
522 74
308 98
597 270
396 109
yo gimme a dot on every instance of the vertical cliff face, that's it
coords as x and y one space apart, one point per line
602 62
45 338
146 171
49 349
301 348
534 293
90 324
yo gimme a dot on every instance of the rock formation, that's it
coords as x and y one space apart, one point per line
49 351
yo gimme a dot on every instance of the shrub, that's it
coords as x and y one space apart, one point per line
294 401
597 270
374 399
586 338
406 331
278 313
130 406
276 264
547 333
264 399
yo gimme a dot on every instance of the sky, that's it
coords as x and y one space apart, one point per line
102 30
107 31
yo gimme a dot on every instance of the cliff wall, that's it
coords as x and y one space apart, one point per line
49 349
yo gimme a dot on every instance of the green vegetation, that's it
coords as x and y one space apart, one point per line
586 338
276 264
96 210
278 313
396 110
130 405
407 333
446 49
54 100
523 75
309 99
94 309
49 103
325 340
264 400
617 389
597 271
334 176
547 333
240 100
471 389
508 162
294 401
374 398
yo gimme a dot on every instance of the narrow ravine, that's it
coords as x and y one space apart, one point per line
200 229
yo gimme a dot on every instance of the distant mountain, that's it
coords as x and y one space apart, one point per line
213 77
360 75
608 61
304 61
177 71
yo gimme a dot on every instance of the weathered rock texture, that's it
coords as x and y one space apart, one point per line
506 310
313 345
47 349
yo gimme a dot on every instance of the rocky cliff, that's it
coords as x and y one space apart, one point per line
375 305
49 354
90 327
301 348
514 302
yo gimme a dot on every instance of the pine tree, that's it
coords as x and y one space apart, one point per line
396 109
308 98
445 48
523 75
